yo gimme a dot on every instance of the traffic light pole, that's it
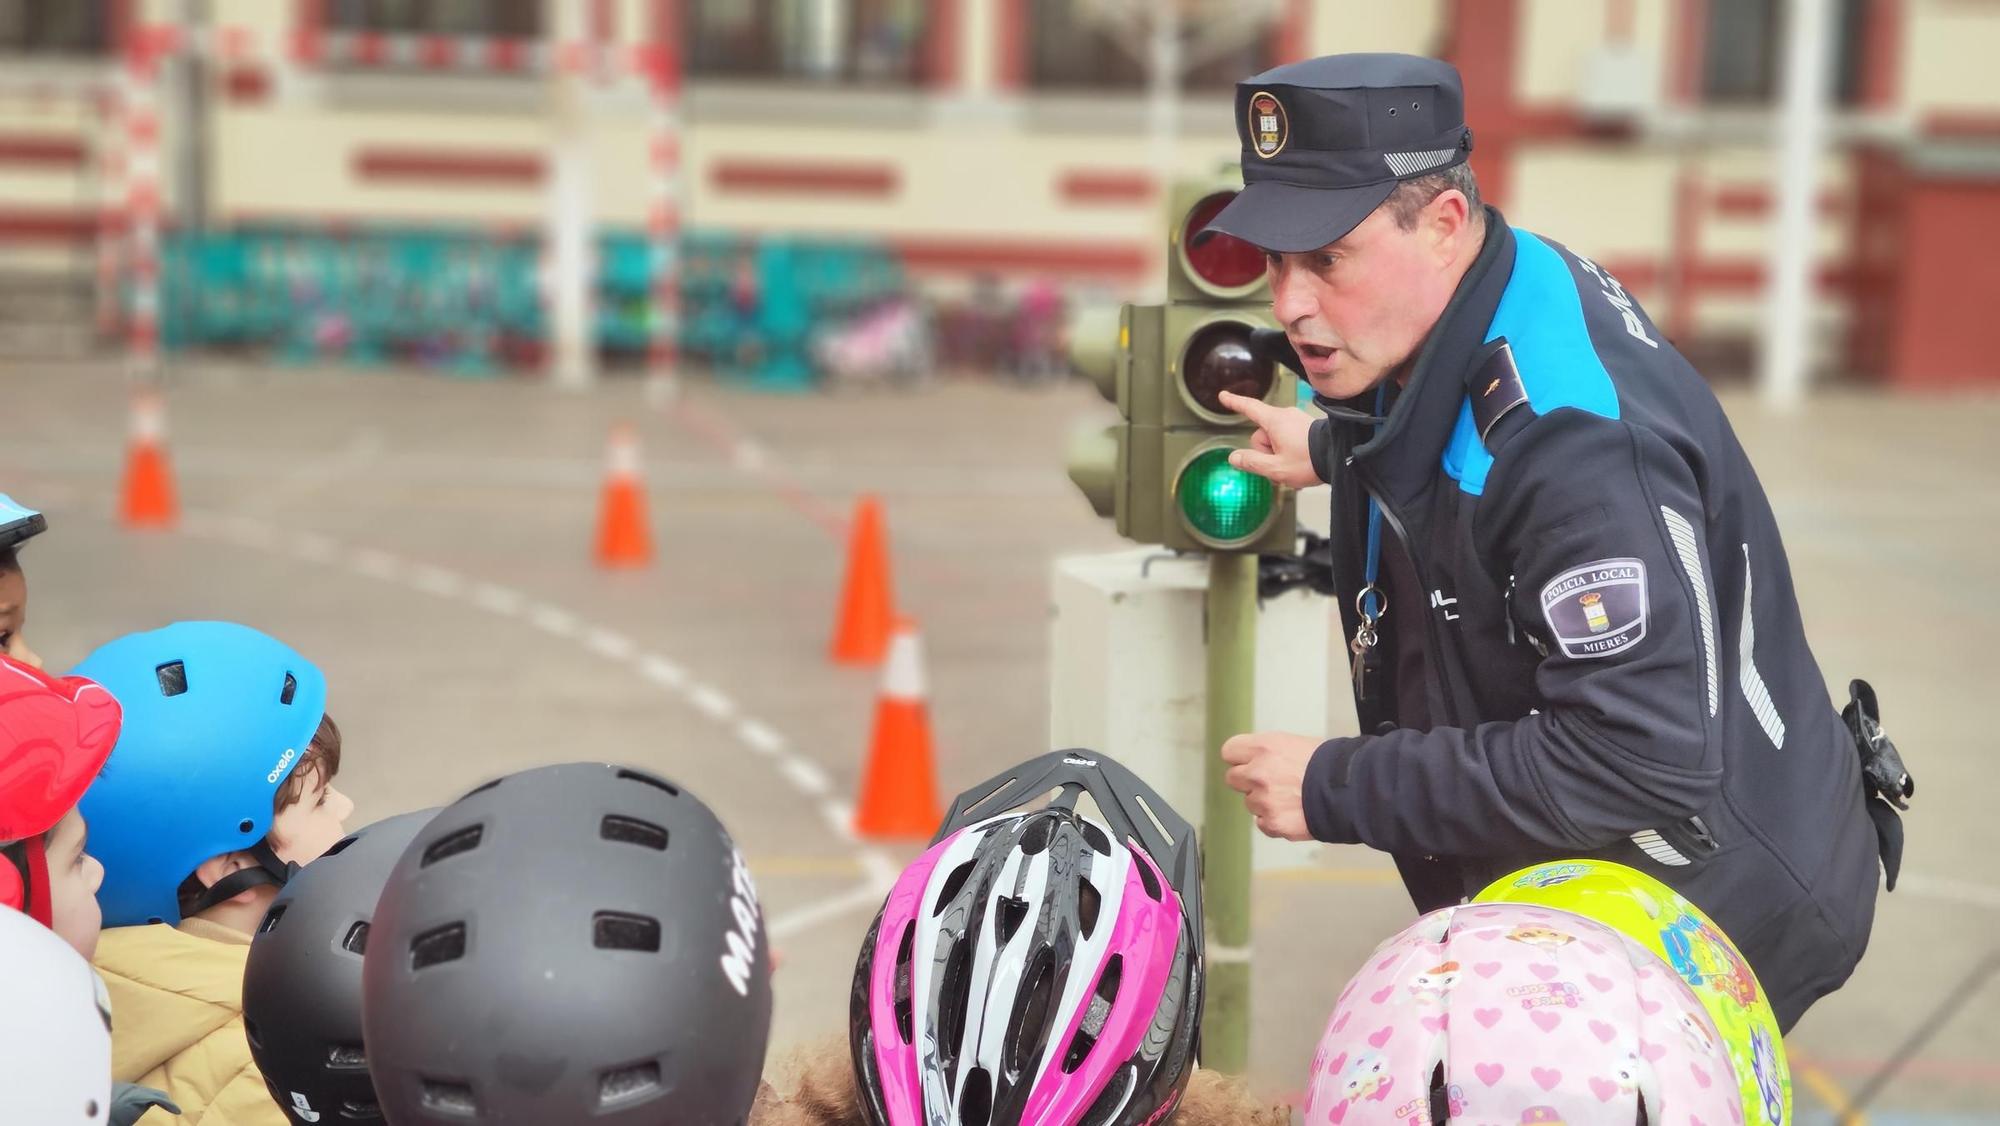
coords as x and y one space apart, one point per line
1225 892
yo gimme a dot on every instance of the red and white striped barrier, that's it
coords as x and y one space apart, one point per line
663 209
139 120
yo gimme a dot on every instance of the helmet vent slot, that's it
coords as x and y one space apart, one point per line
271 918
173 678
1148 880
437 946
1034 1005
340 845
290 689
1008 915
975 1105
954 998
444 1096
451 844
633 831
617 930
1089 901
1096 1014
1154 817
1035 837
1116 1095
905 1016
629 1084
953 884
360 1110
346 1057
355 941
1098 841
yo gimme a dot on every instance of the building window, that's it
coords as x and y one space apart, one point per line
1072 46
1745 45
496 19
864 42
55 27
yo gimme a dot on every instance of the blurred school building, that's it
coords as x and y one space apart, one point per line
985 141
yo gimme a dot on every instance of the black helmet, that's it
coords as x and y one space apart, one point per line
570 944
302 985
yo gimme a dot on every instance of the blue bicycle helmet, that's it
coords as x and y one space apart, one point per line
19 523
217 716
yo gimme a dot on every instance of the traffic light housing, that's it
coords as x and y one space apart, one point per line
1162 472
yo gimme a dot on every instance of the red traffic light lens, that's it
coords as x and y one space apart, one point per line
1222 261
1218 359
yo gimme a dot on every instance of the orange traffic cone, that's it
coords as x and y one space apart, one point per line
899 791
623 537
867 607
146 496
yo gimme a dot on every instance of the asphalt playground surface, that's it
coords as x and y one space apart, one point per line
426 540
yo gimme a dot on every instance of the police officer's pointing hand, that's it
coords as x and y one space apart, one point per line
1281 448
1269 770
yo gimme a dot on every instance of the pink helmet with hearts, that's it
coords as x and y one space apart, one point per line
1499 1013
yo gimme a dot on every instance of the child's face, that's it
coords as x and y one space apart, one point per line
303 831
74 877
14 617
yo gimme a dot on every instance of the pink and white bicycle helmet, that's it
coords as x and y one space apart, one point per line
1498 1013
1036 966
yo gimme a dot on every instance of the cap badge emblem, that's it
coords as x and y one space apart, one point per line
1269 127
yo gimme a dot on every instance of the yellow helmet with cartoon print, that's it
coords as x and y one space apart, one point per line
1660 919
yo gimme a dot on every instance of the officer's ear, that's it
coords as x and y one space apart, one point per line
1445 220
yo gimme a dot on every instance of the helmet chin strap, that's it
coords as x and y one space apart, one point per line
269 871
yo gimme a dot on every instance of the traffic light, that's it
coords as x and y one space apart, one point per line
1162 473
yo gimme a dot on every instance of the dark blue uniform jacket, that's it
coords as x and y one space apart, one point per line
1611 657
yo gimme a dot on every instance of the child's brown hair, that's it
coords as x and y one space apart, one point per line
322 758
827 1096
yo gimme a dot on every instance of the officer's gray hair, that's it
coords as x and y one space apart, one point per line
1412 196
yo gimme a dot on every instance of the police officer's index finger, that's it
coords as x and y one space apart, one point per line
1256 410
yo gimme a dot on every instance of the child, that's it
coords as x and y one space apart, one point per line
219 786
54 736
1063 945
302 984
18 524
55 1052
571 944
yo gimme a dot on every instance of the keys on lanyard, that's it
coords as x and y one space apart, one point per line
1372 608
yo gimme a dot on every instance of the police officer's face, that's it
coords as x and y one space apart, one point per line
1357 308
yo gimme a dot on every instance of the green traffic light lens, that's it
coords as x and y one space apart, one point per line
1221 503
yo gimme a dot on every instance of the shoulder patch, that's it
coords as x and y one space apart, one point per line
1598 609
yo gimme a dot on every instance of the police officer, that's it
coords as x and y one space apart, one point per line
1571 620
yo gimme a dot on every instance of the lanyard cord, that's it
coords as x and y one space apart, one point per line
1370 593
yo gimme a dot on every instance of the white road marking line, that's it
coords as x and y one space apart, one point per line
807 776
813 914
609 644
553 619
376 564
497 599
760 738
711 702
